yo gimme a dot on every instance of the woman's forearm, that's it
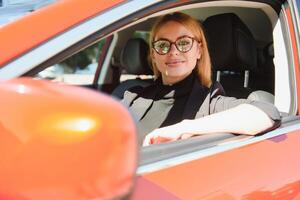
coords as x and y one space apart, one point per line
243 119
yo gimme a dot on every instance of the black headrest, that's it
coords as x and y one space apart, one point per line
134 57
231 44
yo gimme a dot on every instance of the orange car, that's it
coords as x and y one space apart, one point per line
66 142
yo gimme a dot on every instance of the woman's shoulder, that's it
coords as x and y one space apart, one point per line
140 89
137 91
216 89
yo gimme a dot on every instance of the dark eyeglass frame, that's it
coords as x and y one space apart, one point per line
171 43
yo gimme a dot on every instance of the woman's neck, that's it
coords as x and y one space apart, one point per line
171 80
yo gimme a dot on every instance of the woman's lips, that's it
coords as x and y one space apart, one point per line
174 63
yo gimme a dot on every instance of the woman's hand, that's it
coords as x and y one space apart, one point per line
158 136
167 134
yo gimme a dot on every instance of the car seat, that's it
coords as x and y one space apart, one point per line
233 53
265 75
134 61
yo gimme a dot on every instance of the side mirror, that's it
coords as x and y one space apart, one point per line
64 143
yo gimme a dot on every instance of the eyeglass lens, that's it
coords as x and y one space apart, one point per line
163 46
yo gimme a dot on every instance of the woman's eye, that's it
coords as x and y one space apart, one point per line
163 45
183 42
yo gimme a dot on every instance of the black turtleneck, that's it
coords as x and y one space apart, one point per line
181 88
179 92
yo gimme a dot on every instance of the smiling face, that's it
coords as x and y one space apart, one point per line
175 65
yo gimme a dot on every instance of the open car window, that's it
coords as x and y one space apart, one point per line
272 45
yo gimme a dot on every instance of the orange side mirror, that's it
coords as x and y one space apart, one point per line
64 143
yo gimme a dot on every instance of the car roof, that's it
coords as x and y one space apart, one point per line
26 33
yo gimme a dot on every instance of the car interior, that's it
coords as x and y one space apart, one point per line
242 58
241 44
241 50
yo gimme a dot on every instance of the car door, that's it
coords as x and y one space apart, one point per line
261 167
220 166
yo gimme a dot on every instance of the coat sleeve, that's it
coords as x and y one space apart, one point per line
221 103
217 101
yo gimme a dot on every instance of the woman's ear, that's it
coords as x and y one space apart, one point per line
199 51
199 55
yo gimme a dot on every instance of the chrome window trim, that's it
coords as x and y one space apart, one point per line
69 38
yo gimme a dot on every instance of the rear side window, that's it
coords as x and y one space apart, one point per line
142 34
79 69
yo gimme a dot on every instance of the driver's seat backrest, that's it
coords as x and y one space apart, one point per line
233 53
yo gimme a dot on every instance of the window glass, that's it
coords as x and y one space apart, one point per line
79 69
142 34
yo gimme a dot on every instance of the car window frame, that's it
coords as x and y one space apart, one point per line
187 150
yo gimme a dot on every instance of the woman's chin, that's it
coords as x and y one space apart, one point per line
177 72
175 76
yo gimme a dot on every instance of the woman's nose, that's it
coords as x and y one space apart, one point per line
173 50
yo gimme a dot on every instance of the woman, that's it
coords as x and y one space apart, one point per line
183 102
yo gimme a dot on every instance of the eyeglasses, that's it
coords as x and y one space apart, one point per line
182 44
